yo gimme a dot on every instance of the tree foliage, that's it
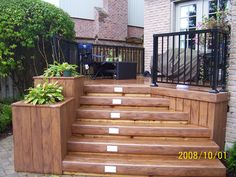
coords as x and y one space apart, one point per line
26 25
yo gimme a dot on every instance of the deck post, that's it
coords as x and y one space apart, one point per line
154 62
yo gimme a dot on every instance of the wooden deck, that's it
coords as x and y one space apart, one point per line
130 128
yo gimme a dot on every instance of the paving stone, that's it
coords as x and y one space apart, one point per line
7 161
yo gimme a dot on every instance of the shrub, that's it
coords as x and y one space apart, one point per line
231 161
26 31
56 70
47 93
5 117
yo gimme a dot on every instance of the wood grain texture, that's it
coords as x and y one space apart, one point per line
134 165
40 135
72 86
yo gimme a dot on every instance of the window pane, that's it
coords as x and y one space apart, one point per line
192 10
187 11
212 6
192 22
184 12
184 23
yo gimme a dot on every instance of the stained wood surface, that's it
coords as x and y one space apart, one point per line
93 113
72 86
40 136
135 165
135 146
125 101
167 130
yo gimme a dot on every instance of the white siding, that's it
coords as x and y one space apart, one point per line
136 13
81 8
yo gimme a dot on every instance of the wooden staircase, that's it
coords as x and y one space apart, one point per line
122 130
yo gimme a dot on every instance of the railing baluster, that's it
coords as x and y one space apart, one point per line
162 55
167 68
198 59
173 58
191 60
205 60
185 57
179 57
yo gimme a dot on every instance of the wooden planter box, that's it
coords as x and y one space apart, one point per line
72 86
40 135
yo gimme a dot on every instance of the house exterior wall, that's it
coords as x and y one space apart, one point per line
84 27
115 25
134 31
157 19
231 120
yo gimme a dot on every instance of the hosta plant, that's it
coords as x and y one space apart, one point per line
47 93
57 70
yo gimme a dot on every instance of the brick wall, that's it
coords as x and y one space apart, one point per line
115 26
111 22
157 19
135 32
84 28
231 120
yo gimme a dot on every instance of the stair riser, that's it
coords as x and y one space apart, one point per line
146 102
128 115
111 89
136 149
144 170
147 131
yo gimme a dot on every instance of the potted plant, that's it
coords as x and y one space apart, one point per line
66 76
61 70
41 129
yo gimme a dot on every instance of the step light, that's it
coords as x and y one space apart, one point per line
115 115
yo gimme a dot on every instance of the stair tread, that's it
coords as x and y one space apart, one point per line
167 142
136 160
125 101
129 124
109 109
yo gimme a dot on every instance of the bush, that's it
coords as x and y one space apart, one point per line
26 31
5 117
47 93
231 161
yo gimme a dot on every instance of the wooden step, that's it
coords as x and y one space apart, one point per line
134 146
138 165
124 89
124 101
96 113
124 129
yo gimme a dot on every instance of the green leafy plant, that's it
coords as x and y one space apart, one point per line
57 69
5 117
47 93
26 31
231 160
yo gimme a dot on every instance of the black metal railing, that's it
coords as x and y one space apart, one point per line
123 53
69 51
196 58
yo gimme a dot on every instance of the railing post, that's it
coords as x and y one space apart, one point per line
215 72
224 63
143 61
154 62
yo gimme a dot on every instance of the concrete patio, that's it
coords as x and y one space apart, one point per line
7 163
